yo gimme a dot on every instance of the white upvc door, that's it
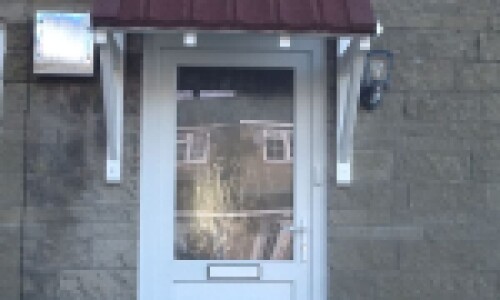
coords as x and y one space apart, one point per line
226 176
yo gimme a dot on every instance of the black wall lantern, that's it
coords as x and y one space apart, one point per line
376 78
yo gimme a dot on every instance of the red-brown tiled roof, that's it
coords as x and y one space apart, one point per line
331 16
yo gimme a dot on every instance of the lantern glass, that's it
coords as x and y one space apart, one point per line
378 69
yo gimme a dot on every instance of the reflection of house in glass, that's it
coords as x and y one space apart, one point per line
235 173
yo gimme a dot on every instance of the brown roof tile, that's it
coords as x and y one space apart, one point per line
332 16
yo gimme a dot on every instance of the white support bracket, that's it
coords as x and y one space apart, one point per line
112 76
351 58
3 50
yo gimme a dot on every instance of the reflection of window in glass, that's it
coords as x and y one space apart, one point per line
278 145
183 95
236 206
192 146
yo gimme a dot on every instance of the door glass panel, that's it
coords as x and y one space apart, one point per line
234 197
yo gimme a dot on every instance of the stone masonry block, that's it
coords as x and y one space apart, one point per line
477 76
438 106
486 170
422 75
115 231
439 130
429 143
11 158
475 231
488 149
430 44
396 17
373 165
413 217
367 129
13 121
489 130
54 253
391 107
16 65
369 196
490 107
9 245
394 233
15 98
424 165
353 285
10 216
436 285
490 46
11 135
18 36
81 230
451 7
495 21
97 284
363 255
93 213
9 285
493 195
9 262
41 285
359 217
11 189
449 255
115 254
440 196
14 11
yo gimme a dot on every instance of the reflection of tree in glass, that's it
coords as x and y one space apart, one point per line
217 190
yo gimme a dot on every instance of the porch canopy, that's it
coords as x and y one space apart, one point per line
352 21
322 16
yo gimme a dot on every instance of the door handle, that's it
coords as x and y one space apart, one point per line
298 229
303 242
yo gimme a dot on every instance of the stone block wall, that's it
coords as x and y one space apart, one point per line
422 219
64 233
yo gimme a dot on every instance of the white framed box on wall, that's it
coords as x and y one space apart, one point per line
63 44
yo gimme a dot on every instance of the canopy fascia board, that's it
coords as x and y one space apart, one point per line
112 77
156 30
350 66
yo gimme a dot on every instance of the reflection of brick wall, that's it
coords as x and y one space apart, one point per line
260 184
421 220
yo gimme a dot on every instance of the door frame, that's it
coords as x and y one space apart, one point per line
149 274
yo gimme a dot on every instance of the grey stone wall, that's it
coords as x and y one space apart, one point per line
80 235
421 220
64 233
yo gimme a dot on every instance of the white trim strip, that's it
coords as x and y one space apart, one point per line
3 50
235 214
112 69
233 272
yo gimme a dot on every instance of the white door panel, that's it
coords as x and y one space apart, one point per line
234 291
179 244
